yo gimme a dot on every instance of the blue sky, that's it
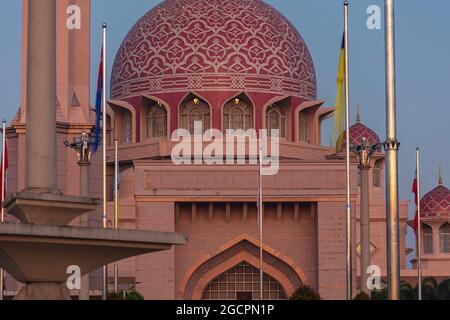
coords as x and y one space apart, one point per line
423 66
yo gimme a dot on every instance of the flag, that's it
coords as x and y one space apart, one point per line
416 217
339 113
98 106
118 179
2 192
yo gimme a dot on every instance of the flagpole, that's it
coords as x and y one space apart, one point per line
419 227
261 219
391 146
104 119
116 207
2 272
349 262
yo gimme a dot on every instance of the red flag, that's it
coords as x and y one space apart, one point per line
416 217
1 173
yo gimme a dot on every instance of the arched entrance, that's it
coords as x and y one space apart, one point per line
232 272
242 282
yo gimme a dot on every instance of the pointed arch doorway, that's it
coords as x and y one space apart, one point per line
232 273
242 283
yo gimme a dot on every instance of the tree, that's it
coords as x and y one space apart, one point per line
407 292
126 295
444 290
430 289
305 293
362 296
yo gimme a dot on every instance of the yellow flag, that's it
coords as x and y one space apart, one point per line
339 113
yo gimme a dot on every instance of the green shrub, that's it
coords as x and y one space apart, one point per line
379 294
134 295
305 293
362 296
127 295
116 296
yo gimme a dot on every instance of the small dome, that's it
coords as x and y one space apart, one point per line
358 132
436 203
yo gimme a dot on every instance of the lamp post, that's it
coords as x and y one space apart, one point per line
364 152
83 147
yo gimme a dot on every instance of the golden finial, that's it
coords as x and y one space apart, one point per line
441 182
358 113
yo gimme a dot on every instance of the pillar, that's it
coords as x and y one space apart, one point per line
84 222
40 175
365 227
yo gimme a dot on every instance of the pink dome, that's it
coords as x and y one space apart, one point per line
436 203
236 45
358 132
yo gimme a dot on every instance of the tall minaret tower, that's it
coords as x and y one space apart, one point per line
73 58
72 93
72 101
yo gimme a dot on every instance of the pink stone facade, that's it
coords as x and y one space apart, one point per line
214 206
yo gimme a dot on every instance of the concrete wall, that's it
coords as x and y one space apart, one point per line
155 273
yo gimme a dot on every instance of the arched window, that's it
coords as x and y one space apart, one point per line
243 283
156 122
304 127
427 233
377 173
444 236
237 114
276 120
192 111
127 127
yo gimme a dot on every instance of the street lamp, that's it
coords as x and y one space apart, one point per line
83 147
364 152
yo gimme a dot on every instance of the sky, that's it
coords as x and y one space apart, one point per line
423 67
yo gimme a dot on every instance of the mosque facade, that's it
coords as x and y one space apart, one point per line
228 65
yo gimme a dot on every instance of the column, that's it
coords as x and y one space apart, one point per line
365 227
40 175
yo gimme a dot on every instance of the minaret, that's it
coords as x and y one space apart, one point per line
41 249
72 92
72 61
40 175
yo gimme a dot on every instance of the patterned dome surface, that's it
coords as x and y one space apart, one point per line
184 45
436 203
358 132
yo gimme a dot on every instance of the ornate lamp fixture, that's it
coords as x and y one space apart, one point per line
83 146
364 152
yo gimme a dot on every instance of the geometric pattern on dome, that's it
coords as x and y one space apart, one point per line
181 45
436 203
358 132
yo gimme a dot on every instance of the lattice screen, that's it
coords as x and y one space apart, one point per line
243 280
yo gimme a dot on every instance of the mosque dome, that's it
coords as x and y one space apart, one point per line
436 203
215 45
358 132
